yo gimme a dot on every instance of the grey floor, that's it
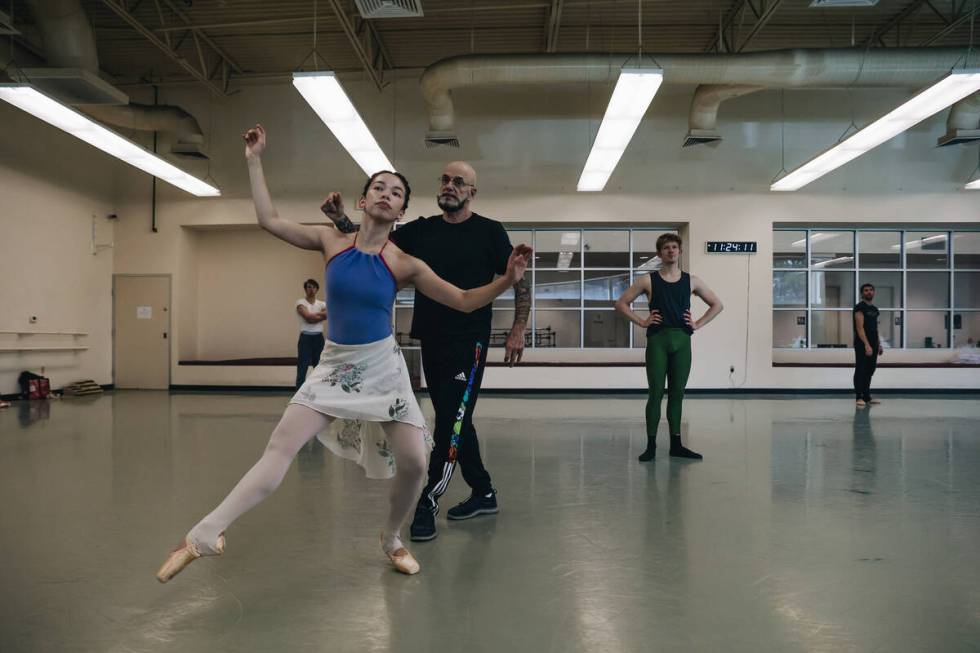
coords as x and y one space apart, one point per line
808 527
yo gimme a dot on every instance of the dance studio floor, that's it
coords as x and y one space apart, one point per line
808 527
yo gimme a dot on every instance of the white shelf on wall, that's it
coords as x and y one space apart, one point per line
43 333
9 350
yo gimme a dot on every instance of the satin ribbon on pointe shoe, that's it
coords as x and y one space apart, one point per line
183 555
403 561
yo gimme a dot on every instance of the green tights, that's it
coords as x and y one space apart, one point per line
668 359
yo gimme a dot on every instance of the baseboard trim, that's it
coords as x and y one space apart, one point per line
238 389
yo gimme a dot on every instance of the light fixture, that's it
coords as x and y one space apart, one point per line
53 112
833 261
634 91
327 98
949 90
973 185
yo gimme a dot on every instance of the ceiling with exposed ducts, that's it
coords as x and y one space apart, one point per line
219 42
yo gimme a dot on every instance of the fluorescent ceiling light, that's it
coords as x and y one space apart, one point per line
327 98
634 91
839 259
29 99
947 91
814 238
918 242
973 185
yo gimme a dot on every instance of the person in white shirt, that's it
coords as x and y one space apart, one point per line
312 313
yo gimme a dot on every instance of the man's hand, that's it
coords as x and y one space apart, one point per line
881 350
690 320
868 351
514 348
518 262
653 318
333 207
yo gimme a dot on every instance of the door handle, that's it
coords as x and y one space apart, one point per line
164 335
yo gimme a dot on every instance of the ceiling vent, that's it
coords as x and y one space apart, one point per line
389 8
7 25
843 3
701 137
959 137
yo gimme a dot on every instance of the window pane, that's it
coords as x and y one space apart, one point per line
405 296
926 249
558 249
789 289
789 329
928 290
880 249
607 249
832 249
966 289
888 288
520 237
506 299
639 337
642 303
606 329
890 329
403 325
603 287
966 250
789 249
645 249
500 324
832 329
556 288
966 332
557 328
928 329
832 289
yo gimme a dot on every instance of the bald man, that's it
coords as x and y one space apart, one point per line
465 249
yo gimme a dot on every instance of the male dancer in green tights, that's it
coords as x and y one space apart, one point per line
669 328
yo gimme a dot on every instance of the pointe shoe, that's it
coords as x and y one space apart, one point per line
860 403
183 555
402 560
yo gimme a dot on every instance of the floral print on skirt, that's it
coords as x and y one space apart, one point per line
362 386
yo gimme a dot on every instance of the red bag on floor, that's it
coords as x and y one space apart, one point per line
38 388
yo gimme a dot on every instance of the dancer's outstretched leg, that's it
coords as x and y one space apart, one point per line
407 445
297 426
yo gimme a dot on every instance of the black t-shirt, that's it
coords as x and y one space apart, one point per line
468 255
870 312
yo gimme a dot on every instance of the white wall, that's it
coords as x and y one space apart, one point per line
528 146
52 185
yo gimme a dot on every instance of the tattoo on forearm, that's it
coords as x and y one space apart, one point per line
346 226
522 302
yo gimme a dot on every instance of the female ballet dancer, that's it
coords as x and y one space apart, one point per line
359 399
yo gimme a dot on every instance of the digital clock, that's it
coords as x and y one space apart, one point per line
731 247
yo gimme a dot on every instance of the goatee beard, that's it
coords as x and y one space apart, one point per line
447 203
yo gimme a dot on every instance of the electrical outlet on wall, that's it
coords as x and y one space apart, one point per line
32 319
731 369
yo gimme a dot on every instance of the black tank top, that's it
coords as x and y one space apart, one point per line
672 300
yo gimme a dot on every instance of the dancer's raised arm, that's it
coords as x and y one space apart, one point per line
294 233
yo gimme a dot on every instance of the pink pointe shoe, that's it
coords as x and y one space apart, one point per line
183 555
402 560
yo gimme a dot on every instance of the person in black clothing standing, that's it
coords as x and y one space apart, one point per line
467 250
867 346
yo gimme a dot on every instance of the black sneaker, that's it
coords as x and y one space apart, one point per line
475 505
423 526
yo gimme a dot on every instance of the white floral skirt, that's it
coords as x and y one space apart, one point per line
362 386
